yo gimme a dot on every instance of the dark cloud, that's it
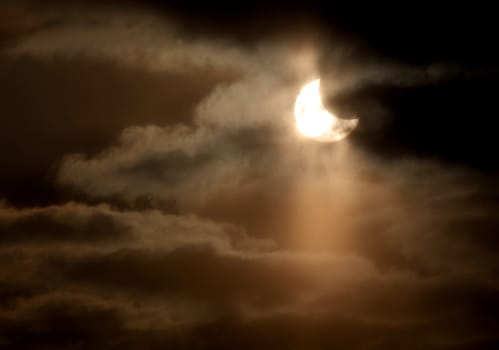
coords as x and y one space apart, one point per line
61 322
17 20
60 225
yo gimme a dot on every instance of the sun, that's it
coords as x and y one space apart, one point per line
315 121
311 118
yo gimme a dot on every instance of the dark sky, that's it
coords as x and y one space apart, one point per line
155 193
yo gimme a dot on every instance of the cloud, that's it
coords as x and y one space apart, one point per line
342 202
17 20
137 38
70 223
100 226
81 105
176 280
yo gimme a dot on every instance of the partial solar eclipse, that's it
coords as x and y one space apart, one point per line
314 121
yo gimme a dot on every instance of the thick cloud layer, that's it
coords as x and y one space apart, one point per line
157 194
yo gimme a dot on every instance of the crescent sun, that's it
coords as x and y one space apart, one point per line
314 121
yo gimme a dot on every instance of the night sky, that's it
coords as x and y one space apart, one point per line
155 192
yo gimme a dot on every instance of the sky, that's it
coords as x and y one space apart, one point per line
155 192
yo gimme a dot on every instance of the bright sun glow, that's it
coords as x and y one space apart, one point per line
312 119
